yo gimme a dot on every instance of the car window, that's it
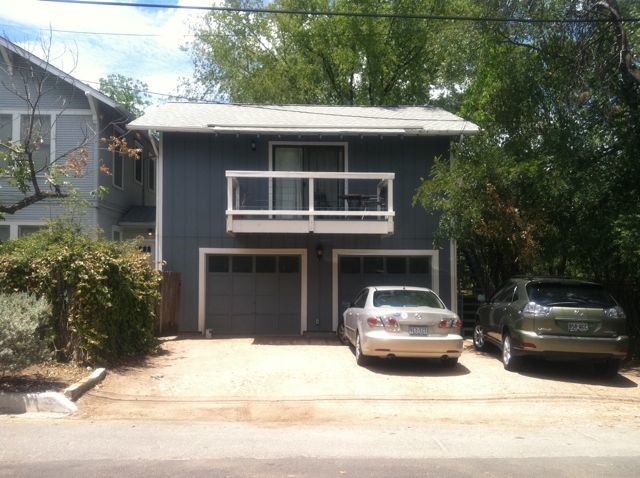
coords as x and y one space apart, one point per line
569 294
406 298
505 294
361 299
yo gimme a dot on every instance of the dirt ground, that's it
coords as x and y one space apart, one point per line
300 380
42 377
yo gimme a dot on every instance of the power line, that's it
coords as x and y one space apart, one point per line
347 14
89 33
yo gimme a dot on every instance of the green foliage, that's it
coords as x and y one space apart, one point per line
23 331
131 93
262 58
104 294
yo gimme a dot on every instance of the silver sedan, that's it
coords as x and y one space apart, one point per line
396 321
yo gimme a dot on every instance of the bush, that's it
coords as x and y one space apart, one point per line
103 294
23 324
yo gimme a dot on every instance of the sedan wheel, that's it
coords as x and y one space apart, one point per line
342 334
478 337
509 361
361 359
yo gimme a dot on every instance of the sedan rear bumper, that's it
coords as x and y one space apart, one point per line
531 343
379 343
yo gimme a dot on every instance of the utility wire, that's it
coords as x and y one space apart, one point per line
348 14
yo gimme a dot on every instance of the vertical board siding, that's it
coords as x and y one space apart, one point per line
194 205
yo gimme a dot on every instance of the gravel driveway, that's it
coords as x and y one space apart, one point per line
285 380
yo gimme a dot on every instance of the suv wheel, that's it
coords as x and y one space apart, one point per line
478 337
509 361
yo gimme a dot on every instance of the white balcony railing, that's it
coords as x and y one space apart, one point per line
309 201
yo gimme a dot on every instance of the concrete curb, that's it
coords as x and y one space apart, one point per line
75 391
50 402
47 402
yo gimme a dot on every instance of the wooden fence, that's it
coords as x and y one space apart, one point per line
168 315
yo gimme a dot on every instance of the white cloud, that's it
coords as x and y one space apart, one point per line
156 60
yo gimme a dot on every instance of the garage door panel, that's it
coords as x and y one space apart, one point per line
266 324
243 284
243 324
217 304
289 304
220 323
242 304
266 284
266 304
288 323
218 284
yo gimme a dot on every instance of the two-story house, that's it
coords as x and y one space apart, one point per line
276 216
71 116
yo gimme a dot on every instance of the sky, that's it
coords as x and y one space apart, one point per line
156 59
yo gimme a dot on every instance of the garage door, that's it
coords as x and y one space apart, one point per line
356 272
253 294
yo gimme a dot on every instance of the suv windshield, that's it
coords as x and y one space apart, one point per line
406 298
569 295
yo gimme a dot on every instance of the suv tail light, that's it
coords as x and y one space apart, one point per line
615 313
536 310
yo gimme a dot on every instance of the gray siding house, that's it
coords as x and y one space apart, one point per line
72 114
276 216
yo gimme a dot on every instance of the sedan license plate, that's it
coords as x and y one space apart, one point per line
418 330
578 327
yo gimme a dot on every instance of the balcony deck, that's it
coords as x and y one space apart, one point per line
288 202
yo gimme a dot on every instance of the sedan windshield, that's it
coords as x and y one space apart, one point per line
406 298
570 295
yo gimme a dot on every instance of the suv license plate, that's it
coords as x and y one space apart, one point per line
418 330
578 327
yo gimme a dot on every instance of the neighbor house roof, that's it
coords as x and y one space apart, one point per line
303 119
6 45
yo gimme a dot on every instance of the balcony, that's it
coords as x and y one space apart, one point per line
301 202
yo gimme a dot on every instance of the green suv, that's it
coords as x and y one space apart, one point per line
553 318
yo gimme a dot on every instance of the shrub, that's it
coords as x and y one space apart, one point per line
23 338
103 294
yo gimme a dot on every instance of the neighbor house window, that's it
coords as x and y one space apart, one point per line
5 233
27 230
118 170
152 173
37 131
6 134
116 236
138 164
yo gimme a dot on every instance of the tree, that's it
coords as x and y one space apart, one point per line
264 58
130 93
550 186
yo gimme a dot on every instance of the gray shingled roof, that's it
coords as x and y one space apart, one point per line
88 90
301 119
